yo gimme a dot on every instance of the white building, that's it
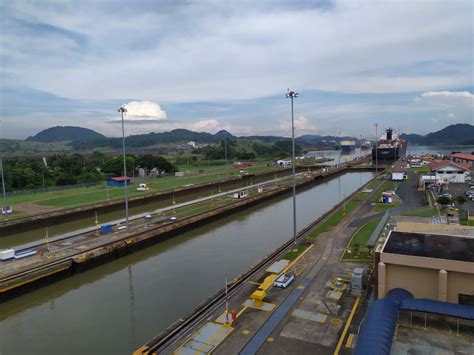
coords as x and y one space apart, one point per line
447 171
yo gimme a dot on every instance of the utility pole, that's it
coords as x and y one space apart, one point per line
225 154
376 150
123 110
292 95
226 301
5 207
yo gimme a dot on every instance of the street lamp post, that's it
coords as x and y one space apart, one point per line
376 150
292 95
5 207
123 110
225 153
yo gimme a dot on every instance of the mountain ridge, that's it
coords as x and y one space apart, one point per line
84 138
64 133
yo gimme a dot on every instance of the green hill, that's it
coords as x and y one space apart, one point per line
66 133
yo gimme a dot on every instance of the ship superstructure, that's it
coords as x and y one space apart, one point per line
389 147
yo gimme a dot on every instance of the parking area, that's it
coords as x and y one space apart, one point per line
459 189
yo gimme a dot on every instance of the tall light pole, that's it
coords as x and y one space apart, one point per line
293 95
123 110
376 150
4 207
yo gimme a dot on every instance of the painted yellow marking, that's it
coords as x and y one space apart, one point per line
241 311
348 323
141 350
301 287
270 340
205 345
245 332
336 321
350 339
298 258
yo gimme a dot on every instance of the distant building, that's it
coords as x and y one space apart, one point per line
399 172
118 181
429 266
447 171
463 158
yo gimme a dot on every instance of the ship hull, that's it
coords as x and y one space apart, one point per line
347 148
392 153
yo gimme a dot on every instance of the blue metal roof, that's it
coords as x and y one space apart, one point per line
438 307
377 330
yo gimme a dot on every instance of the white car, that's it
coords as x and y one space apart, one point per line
142 187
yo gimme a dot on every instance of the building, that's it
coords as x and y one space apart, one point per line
118 181
399 172
429 266
447 171
463 158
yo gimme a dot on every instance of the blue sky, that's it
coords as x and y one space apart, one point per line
211 65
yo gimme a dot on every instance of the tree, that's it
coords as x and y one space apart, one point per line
461 200
444 200
150 161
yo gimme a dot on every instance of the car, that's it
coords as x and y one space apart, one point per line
446 195
469 193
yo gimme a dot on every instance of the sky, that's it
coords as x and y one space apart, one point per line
212 65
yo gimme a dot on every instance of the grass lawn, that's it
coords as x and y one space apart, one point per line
423 169
334 219
387 186
373 185
294 253
98 193
466 222
382 207
426 211
357 246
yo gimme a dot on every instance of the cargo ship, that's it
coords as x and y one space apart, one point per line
366 145
389 147
347 146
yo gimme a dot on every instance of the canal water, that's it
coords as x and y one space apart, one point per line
445 150
119 306
337 156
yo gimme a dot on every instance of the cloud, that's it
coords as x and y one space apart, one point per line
144 111
451 115
302 125
461 94
446 98
226 50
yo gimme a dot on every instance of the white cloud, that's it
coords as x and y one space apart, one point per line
446 99
451 115
144 110
302 125
462 94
